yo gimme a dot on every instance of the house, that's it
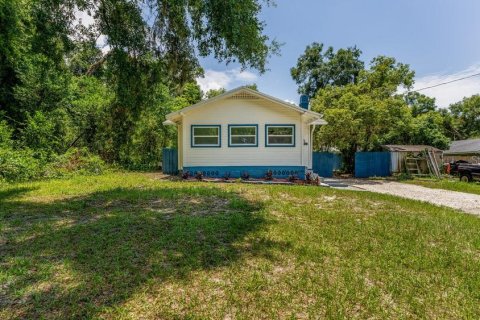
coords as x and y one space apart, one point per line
399 153
468 150
244 131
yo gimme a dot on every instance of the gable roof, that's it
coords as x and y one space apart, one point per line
409 148
245 92
464 147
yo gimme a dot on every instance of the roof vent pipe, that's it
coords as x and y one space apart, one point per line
304 101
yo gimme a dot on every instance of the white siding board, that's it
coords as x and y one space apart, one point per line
180 146
227 112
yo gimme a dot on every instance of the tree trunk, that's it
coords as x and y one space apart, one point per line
349 158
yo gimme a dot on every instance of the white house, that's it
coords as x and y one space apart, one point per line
245 131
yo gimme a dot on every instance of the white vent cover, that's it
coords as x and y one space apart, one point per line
243 96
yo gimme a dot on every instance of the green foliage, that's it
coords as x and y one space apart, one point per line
192 93
252 86
125 245
5 135
420 103
362 107
362 115
149 135
24 164
75 162
59 90
427 129
317 69
404 176
214 92
466 115
18 165
46 132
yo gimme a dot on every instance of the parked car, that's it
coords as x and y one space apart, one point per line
468 172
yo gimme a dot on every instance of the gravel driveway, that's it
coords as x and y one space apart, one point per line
466 202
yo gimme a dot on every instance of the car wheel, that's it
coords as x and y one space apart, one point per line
465 177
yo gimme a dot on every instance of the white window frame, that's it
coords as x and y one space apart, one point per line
230 135
202 145
267 144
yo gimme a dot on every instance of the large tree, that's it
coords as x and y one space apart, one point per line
364 115
317 68
47 58
466 117
420 103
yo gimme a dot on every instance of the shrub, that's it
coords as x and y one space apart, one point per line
226 176
269 175
199 176
404 176
75 161
18 165
5 135
308 177
39 134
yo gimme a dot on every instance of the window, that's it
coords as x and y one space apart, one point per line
242 135
280 135
205 136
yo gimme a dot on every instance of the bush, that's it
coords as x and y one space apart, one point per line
5 135
75 161
18 165
404 176
23 165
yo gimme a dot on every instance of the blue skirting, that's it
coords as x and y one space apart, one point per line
253 171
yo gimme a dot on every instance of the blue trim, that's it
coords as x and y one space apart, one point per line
253 171
210 126
240 145
280 145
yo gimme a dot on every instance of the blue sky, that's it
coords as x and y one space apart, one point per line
438 38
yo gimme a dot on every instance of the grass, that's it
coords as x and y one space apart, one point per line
130 245
453 184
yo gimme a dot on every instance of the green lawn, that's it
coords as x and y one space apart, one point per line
453 184
130 245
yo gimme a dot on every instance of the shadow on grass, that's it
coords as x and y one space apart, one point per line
75 258
13 192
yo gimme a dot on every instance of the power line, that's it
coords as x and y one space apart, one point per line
447 82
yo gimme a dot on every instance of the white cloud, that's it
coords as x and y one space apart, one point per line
290 101
103 44
82 16
452 92
246 76
224 79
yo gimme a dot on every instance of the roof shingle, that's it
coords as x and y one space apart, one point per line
464 147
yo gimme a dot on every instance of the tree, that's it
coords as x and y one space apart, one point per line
252 86
214 92
420 103
145 53
466 115
54 80
427 129
317 69
192 93
362 115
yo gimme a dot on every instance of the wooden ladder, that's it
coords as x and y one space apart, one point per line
432 164
412 167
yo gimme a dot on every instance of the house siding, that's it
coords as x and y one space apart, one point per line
472 158
180 146
234 111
